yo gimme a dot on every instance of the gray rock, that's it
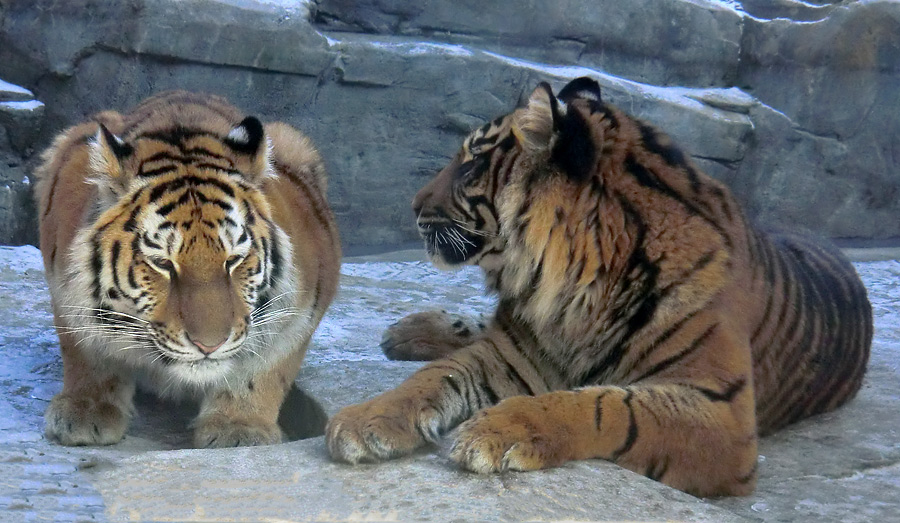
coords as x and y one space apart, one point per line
841 466
14 93
797 117
693 43
20 120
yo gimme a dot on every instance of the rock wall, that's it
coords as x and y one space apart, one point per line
792 103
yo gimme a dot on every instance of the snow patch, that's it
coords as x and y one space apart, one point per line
30 105
423 48
684 96
20 259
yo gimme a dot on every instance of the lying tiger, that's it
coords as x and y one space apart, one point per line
189 248
641 319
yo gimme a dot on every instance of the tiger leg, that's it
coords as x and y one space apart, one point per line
433 400
95 405
694 438
429 335
247 414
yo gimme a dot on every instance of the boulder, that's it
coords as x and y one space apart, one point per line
20 118
791 103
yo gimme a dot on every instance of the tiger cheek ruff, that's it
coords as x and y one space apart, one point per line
641 317
190 249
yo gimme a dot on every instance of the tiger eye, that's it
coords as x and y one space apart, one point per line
163 264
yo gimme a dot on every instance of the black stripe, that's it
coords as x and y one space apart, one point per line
222 169
132 281
157 171
511 372
672 360
453 385
203 151
131 224
750 476
656 469
167 209
632 428
598 408
677 326
114 261
486 394
96 267
727 395
151 243
671 154
164 155
190 180
647 178
202 198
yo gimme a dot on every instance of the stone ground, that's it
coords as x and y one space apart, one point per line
842 466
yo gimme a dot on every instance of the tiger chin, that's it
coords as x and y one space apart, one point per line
641 318
189 250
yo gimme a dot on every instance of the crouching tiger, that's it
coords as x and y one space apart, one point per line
641 318
192 250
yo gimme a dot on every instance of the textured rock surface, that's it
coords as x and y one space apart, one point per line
843 466
20 119
792 103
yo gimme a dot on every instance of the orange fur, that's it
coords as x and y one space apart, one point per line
641 319
190 247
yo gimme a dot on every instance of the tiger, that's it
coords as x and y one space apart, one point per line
641 317
189 250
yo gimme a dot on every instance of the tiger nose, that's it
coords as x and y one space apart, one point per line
419 200
208 349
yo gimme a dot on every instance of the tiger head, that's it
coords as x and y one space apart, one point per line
460 213
181 270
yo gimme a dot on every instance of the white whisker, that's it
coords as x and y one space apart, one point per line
462 225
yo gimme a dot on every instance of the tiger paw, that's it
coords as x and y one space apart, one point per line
428 335
517 434
380 429
220 431
75 421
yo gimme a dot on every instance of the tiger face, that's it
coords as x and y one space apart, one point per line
456 212
177 272
189 249
461 214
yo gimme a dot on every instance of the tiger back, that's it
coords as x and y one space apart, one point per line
188 248
641 317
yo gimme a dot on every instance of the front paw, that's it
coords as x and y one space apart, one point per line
220 431
517 434
84 421
428 336
380 429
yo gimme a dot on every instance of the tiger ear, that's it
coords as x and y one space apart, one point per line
249 138
107 154
584 87
534 124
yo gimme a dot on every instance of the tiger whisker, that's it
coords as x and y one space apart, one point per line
271 302
274 318
462 225
103 311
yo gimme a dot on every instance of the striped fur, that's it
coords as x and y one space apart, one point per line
190 249
641 319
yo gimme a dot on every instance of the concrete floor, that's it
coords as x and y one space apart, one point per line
842 466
